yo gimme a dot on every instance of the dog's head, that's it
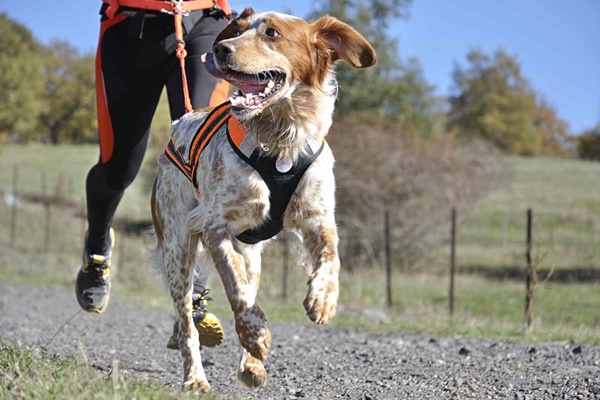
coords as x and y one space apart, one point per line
268 56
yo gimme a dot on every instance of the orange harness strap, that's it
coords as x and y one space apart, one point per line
218 117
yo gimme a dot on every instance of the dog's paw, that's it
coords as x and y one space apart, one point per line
252 373
251 327
321 300
201 386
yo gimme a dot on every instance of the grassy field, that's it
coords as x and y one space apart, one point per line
484 307
64 169
565 198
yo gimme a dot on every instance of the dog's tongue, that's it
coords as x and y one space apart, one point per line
209 64
246 83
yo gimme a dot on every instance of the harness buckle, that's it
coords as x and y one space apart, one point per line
179 9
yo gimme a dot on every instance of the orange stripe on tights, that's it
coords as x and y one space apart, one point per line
105 129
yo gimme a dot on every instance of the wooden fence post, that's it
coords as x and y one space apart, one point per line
529 271
388 259
452 259
286 266
15 199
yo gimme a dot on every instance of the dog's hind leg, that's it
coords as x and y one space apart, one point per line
250 322
176 251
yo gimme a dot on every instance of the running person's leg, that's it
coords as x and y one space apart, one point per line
130 76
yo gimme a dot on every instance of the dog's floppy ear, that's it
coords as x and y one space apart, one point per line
231 29
343 42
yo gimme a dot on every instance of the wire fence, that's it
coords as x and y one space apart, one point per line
49 216
567 242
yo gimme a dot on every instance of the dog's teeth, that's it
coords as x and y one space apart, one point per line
270 84
238 101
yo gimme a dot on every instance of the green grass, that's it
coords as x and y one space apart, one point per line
565 198
563 193
26 373
64 169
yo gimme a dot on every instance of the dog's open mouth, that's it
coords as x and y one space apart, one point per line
254 89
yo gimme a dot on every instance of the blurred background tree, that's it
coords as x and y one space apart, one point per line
392 92
588 144
554 132
69 96
21 80
492 100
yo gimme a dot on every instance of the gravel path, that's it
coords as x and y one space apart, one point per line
307 361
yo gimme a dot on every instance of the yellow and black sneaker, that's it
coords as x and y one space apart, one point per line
92 286
208 325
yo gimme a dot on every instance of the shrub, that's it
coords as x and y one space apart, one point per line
417 181
588 144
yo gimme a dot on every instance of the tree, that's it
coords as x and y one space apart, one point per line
492 100
69 96
416 180
588 144
391 91
554 132
21 78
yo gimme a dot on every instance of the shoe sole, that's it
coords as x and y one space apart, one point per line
95 309
210 331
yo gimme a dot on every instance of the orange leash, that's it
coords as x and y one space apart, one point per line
181 52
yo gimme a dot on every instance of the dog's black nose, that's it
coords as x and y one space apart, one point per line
222 51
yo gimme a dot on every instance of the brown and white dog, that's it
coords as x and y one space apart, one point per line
283 67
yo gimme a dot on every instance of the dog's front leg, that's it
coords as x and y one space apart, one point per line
250 322
175 252
251 371
321 242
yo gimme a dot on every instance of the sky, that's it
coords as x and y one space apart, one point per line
556 42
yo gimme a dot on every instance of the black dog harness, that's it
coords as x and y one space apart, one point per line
282 182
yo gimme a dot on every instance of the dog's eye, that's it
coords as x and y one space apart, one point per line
272 32
236 33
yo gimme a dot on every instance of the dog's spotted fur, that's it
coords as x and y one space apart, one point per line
199 228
